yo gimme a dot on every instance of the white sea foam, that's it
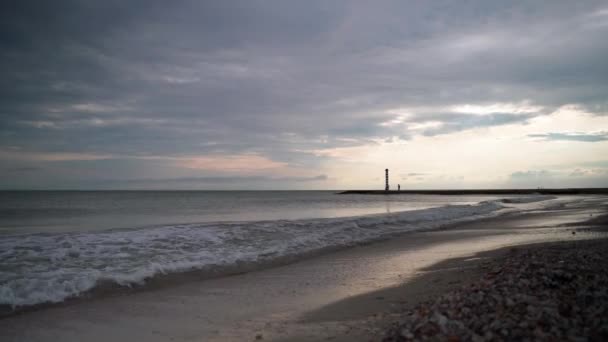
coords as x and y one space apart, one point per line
39 268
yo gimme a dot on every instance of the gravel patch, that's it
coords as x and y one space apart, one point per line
557 292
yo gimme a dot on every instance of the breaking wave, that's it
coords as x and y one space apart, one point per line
51 267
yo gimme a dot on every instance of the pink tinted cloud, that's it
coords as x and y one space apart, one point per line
238 162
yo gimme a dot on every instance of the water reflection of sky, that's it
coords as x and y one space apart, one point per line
89 211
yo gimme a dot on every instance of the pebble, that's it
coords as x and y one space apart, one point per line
552 293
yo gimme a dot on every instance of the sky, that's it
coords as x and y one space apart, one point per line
303 94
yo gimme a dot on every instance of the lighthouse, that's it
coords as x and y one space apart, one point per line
386 177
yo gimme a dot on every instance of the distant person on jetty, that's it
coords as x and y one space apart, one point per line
398 187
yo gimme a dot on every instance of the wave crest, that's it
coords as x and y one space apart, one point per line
43 268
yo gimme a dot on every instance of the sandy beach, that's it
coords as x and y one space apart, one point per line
352 294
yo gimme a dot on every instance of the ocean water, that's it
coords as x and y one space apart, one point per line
65 211
56 245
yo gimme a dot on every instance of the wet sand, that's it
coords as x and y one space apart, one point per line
346 295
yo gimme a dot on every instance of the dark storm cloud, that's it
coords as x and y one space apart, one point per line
281 78
574 136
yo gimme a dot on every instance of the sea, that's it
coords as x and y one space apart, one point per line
58 245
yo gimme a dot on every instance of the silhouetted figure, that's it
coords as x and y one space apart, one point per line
398 187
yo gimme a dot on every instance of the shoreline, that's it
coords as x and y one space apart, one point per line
381 315
333 295
407 221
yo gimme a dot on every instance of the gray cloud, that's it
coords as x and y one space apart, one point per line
22 169
222 179
535 179
455 122
277 78
597 172
579 177
214 182
413 174
573 136
417 175
530 174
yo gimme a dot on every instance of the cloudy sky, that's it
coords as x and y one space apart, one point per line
303 94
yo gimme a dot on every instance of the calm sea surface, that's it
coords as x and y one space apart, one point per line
65 211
